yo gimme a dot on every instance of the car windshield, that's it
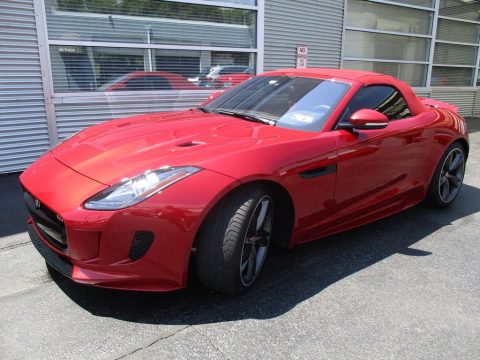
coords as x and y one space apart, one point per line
284 101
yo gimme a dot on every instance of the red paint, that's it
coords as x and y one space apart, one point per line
378 172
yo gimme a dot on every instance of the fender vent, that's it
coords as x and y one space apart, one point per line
190 144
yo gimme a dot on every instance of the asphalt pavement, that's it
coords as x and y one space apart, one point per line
406 287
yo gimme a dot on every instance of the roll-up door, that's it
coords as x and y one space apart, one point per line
318 24
23 124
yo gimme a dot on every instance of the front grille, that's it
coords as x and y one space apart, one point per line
47 222
57 261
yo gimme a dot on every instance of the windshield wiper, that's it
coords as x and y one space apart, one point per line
246 116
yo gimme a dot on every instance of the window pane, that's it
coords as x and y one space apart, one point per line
458 31
448 76
210 69
384 99
459 9
414 74
150 22
369 15
291 102
383 46
79 68
455 54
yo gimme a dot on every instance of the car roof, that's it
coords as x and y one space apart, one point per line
228 66
346 74
364 77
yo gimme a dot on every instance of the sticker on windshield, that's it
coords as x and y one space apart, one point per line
307 119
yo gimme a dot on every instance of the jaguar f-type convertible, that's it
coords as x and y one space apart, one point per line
283 158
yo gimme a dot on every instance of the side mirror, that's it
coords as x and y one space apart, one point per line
367 119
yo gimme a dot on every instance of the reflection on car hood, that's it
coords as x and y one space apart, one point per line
127 147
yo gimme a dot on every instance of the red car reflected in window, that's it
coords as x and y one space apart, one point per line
148 80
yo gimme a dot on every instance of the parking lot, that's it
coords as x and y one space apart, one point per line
406 287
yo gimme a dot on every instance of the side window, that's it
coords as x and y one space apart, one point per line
148 83
159 83
138 83
231 70
384 99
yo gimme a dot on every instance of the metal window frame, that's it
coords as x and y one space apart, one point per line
455 66
431 36
147 46
352 58
476 66
432 44
456 43
457 19
42 27
260 35
403 5
219 3
46 70
387 32
435 10
51 97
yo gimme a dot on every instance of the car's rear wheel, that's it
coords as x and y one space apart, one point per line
448 177
233 242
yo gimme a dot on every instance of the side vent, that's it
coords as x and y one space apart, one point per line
190 144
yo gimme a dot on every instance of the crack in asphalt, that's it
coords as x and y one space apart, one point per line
14 246
172 335
153 343
33 289
211 342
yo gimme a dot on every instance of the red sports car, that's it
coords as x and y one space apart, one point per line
148 80
281 159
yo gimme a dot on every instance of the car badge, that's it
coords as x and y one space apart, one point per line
37 204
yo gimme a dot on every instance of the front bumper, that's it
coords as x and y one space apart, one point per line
145 247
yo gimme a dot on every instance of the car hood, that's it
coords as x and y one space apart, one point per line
127 147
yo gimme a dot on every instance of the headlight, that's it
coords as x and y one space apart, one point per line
132 191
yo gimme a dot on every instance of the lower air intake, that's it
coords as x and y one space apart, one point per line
142 240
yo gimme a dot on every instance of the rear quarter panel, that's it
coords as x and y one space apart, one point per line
446 128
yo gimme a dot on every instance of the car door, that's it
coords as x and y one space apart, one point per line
378 169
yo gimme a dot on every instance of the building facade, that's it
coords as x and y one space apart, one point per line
68 64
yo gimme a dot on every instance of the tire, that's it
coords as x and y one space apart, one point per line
233 242
448 177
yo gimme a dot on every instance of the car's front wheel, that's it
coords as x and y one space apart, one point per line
448 177
233 242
